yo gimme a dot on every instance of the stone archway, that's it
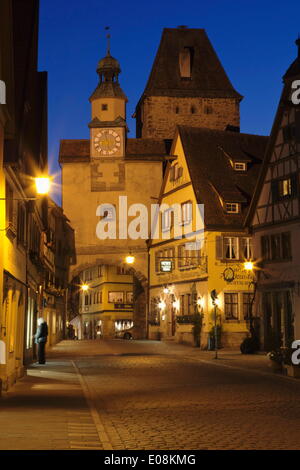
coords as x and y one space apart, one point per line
140 290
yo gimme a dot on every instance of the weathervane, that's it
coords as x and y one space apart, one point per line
108 36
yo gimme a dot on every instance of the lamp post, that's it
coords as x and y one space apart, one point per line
214 298
249 266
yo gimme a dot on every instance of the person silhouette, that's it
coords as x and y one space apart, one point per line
41 340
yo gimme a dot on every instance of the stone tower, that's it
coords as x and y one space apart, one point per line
187 85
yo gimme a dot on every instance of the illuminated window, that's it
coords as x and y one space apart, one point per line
232 208
240 166
231 247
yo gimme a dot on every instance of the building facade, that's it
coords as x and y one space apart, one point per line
216 169
27 248
107 306
274 218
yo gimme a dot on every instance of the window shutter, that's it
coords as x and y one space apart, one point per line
294 185
180 172
172 173
219 247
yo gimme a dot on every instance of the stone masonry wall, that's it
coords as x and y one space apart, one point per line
161 115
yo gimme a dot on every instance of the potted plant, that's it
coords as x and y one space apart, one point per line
276 358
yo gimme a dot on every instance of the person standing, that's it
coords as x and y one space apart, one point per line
41 340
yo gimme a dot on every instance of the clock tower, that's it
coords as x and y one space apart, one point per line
108 126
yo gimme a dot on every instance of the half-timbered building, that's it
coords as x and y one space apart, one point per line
275 216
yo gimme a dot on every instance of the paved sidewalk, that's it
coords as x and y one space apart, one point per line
47 410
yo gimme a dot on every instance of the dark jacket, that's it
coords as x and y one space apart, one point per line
42 333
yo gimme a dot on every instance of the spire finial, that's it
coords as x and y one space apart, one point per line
108 36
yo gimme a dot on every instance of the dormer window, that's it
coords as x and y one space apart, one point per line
186 62
104 107
239 166
232 208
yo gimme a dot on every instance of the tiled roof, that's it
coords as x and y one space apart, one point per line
214 178
208 78
79 150
108 90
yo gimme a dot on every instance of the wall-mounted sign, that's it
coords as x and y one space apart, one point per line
166 266
228 275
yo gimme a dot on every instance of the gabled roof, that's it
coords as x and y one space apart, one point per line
208 78
214 178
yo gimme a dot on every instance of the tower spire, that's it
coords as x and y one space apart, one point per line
108 36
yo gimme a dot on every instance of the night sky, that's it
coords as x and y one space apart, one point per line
253 39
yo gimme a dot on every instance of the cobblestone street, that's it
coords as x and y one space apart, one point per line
149 395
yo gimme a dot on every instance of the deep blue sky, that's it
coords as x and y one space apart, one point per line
253 39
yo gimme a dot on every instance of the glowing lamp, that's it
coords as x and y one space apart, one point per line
248 266
130 259
42 185
162 305
84 287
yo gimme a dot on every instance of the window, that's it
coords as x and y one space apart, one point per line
275 247
86 300
187 212
231 306
193 110
231 247
176 172
129 297
284 188
116 297
246 248
208 110
100 271
286 249
182 305
188 258
238 166
265 247
247 305
104 107
167 220
21 235
186 62
232 208
9 204
177 110
88 275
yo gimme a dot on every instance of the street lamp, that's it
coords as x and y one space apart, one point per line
42 185
249 266
85 288
215 302
130 259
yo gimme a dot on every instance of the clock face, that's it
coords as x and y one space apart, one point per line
107 142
